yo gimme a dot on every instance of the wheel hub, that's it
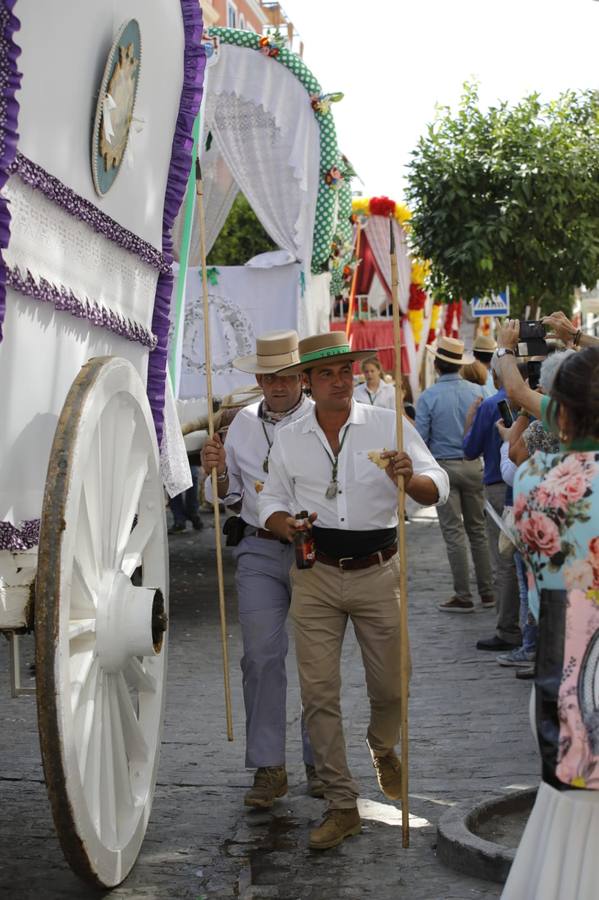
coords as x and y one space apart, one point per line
131 621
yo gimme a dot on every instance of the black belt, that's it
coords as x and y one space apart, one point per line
263 533
348 563
451 459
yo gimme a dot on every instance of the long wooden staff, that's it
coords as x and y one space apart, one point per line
213 474
403 559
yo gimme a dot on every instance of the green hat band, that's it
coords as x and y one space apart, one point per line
328 351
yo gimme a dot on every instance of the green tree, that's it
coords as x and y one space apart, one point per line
242 236
510 196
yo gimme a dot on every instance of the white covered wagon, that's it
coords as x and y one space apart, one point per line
96 116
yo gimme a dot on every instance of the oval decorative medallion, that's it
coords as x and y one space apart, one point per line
114 110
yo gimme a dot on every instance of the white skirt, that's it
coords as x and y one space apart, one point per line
558 856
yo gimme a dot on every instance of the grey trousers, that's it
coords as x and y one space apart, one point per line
264 594
464 514
507 594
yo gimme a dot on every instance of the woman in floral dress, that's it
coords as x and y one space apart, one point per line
556 511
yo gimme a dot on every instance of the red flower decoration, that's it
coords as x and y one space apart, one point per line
417 297
382 206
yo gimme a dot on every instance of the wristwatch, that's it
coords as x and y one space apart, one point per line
503 350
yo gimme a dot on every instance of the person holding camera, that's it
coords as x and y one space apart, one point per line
262 562
556 513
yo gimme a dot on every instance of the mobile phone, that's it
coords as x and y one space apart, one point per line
506 413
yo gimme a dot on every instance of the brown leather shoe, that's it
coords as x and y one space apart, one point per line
337 825
314 786
270 783
388 774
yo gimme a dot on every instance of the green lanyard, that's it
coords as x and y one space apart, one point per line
371 397
333 488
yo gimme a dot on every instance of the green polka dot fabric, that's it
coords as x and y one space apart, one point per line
344 232
324 224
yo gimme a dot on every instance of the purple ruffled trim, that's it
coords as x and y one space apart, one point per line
10 81
65 197
180 165
63 298
22 537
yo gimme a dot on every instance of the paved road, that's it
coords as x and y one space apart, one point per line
469 739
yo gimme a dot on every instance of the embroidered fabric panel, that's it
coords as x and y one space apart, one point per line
53 246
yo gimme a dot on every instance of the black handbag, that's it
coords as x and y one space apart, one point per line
234 529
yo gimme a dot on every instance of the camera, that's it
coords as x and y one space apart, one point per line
532 339
534 373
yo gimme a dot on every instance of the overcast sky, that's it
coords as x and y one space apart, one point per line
410 55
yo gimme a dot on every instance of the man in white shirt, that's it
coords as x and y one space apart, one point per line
262 563
321 464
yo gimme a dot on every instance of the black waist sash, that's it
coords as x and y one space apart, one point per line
337 543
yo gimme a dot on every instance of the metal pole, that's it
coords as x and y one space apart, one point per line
403 560
215 501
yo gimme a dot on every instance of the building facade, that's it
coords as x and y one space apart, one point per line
253 16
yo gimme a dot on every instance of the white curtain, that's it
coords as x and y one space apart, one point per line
377 230
315 305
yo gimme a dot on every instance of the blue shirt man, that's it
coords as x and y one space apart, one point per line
441 412
483 438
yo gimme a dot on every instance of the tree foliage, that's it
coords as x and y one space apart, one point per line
510 196
242 236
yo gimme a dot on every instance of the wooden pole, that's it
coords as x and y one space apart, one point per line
213 474
354 281
403 559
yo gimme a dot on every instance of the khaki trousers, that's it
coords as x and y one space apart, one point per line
464 514
322 600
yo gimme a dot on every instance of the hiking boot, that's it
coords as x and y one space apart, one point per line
388 774
314 786
455 605
337 825
270 783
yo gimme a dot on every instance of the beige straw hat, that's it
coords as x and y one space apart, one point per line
485 344
332 346
451 350
275 350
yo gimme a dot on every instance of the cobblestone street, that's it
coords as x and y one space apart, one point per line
469 739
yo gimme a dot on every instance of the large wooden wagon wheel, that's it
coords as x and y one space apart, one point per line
100 619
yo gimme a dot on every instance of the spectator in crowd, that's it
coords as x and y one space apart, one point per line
440 417
476 373
374 390
557 521
482 439
483 349
186 505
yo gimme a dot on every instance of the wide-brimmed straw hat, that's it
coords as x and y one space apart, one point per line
329 347
485 344
275 350
451 350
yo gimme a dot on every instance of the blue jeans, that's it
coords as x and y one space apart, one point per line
187 505
528 624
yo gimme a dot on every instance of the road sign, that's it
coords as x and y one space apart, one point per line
492 305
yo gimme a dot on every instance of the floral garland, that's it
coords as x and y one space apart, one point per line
331 173
381 206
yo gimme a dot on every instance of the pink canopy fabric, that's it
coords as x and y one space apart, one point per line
378 335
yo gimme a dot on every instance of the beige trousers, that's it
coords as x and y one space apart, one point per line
323 599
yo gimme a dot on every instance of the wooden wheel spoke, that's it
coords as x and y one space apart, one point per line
138 677
87 546
137 543
91 737
130 503
108 813
80 669
120 753
83 600
137 748
78 627
122 460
